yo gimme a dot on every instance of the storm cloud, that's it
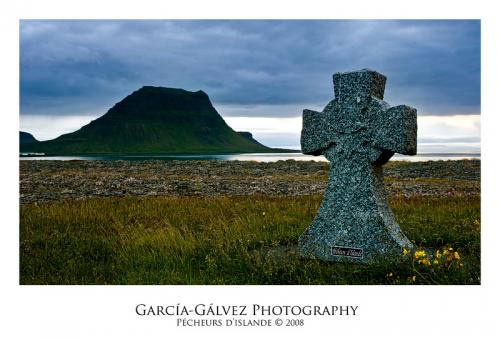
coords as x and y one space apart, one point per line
252 67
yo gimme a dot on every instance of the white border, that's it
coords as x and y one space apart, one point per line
386 312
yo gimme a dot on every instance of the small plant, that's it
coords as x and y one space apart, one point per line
424 262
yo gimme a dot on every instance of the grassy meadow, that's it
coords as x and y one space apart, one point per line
232 240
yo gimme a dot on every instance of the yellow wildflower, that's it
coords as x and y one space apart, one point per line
445 252
438 254
456 255
435 261
405 251
426 262
419 253
413 278
390 274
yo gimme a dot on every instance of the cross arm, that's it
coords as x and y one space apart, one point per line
315 136
396 130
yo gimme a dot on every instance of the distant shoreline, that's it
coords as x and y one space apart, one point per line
152 154
256 157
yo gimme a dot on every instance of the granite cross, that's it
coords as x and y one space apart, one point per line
357 132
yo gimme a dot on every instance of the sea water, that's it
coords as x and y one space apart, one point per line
258 157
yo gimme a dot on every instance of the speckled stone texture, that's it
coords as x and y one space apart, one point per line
357 132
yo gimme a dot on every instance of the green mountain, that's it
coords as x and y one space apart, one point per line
154 120
26 138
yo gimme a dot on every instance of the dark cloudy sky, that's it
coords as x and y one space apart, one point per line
260 69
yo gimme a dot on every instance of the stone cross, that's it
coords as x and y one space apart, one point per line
357 132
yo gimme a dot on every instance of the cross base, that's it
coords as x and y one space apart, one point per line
354 222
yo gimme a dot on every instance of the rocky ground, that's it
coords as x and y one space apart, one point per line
45 181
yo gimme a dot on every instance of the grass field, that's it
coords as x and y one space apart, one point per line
232 240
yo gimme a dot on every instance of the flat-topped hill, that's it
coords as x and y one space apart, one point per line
154 120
